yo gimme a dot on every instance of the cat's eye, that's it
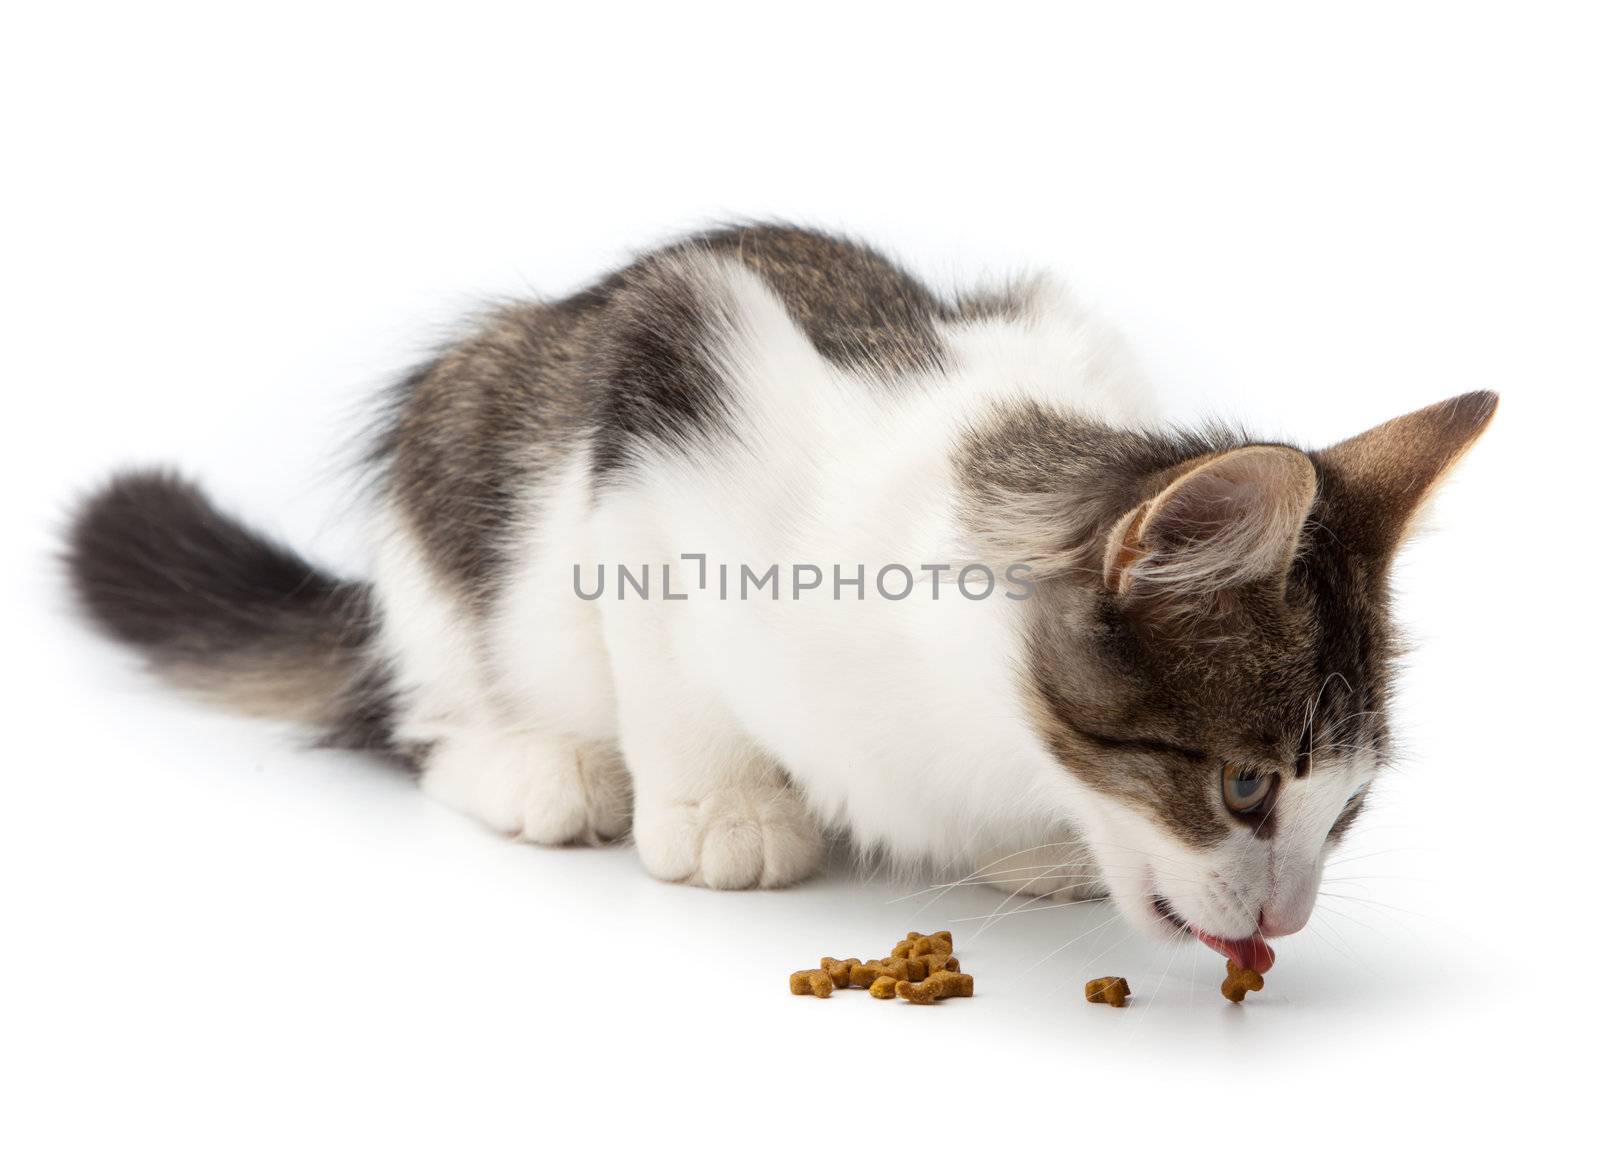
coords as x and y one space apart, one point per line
1244 791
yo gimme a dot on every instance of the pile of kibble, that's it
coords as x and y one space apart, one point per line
921 968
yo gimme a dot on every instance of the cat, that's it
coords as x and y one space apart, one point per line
759 538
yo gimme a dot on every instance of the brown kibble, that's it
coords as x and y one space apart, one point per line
883 987
839 970
939 985
1112 990
812 982
1239 981
959 985
931 953
865 974
911 969
916 944
924 964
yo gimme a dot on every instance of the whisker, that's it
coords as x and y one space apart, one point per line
1068 943
1029 910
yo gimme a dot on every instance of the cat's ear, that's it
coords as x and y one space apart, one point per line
1378 481
1226 520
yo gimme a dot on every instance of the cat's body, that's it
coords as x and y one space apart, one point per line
1160 608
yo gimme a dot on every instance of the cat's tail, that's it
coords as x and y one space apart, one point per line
223 612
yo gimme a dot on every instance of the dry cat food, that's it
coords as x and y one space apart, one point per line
938 985
921 968
839 970
1113 989
869 972
883 987
916 945
1239 981
814 982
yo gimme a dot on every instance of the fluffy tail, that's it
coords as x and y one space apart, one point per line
224 613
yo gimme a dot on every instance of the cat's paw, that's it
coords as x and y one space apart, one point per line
532 787
737 838
584 796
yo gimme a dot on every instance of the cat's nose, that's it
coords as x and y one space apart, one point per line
1288 905
1276 926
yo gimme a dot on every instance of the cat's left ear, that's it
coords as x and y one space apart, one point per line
1226 520
1376 482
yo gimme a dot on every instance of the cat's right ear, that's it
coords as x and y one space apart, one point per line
1378 481
1227 520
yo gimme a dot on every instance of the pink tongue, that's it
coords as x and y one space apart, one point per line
1253 953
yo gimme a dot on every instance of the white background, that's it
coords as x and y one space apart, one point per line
222 232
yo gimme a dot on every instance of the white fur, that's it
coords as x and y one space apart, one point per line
1241 884
749 727
550 775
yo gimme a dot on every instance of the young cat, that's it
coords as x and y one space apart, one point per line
759 537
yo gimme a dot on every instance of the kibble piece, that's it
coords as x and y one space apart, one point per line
812 982
921 992
864 974
839 970
1112 990
939 985
916 944
1239 981
883 987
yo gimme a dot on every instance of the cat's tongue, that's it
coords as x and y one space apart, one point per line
1253 953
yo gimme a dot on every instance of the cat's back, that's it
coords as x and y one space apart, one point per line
773 329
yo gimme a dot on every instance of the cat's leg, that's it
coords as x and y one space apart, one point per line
478 747
710 807
714 811
536 787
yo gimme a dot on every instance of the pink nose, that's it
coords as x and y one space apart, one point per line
1289 901
1277 923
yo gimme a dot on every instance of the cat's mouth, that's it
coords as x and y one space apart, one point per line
1253 953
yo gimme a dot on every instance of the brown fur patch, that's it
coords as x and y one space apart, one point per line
623 362
858 308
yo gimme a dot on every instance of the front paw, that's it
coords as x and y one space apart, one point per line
736 838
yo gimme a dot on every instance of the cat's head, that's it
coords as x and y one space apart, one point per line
1209 657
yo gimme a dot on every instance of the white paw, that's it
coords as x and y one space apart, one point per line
737 838
532 787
